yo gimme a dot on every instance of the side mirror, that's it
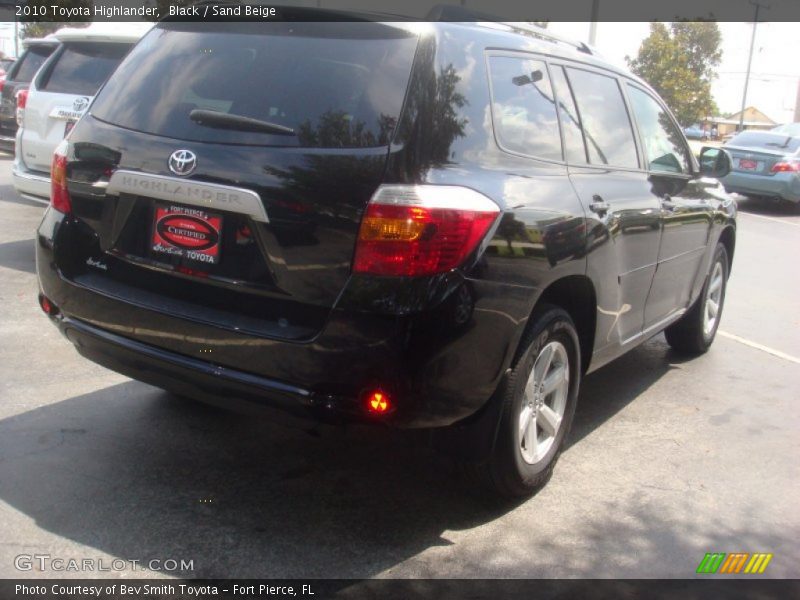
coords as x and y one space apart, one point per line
714 162
526 79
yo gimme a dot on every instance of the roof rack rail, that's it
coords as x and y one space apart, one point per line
449 12
540 32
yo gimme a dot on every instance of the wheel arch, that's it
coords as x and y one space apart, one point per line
728 239
576 295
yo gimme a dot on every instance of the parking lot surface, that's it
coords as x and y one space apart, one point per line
668 459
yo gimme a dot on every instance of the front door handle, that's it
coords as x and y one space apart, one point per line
599 206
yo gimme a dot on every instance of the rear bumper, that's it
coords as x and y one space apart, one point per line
438 367
199 379
31 185
780 185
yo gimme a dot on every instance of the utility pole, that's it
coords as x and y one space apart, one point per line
797 104
749 63
593 22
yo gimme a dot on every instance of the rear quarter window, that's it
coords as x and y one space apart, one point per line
81 68
523 107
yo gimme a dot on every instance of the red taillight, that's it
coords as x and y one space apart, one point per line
59 195
421 229
48 307
378 402
22 102
788 166
2 83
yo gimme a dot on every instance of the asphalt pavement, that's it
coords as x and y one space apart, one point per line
668 459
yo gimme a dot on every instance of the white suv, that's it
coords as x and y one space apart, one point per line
61 92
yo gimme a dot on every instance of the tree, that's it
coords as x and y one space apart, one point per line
679 63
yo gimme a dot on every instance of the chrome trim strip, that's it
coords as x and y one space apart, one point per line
28 176
656 327
185 191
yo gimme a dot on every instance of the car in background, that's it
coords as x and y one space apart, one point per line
695 132
60 94
792 129
765 164
5 65
36 52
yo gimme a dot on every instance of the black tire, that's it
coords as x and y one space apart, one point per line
689 335
506 472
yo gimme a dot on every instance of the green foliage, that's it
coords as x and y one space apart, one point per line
679 63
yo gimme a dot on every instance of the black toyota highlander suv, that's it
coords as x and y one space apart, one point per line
427 225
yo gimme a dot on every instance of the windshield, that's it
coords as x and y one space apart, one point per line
334 84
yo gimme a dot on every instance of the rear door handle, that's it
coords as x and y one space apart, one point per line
599 206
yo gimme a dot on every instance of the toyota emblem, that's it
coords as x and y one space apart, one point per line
80 104
182 162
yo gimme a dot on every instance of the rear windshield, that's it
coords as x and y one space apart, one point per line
30 62
766 140
334 84
82 67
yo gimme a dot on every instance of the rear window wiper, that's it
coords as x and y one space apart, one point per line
213 118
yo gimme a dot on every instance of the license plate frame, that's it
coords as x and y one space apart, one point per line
747 164
186 232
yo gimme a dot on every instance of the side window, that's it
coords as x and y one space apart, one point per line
606 125
663 143
523 107
574 148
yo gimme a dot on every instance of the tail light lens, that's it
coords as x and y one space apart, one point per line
2 83
59 195
414 230
22 101
378 402
789 166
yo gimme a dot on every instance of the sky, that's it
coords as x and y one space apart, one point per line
775 72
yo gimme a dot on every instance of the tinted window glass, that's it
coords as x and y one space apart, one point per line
31 61
769 140
609 136
81 68
792 129
335 84
570 122
663 142
523 107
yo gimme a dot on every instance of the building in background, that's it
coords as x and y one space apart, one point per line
753 119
